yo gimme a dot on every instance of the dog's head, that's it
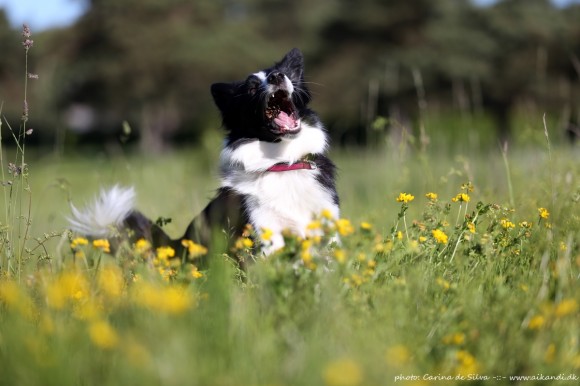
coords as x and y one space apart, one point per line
269 105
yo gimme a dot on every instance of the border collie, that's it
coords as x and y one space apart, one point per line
274 171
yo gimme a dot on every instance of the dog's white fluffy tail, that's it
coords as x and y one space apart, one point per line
108 210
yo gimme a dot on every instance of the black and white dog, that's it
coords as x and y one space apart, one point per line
274 171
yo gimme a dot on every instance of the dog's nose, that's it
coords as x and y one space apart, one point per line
276 78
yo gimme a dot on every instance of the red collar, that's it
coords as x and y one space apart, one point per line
284 166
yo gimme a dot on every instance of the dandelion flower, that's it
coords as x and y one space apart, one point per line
103 335
195 273
142 246
164 253
78 241
506 224
398 355
327 214
467 364
111 281
405 198
194 250
461 197
340 256
247 242
457 339
344 227
544 213
343 372
536 322
471 227
550 353
266 234
176 300
102 244
468 187
314 225
439 236
443 283
365 226
431 196
566 307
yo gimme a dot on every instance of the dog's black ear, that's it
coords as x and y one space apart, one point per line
292 65
223 94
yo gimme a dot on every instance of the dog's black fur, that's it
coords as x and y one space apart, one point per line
269 107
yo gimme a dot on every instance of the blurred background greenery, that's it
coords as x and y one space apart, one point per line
448 71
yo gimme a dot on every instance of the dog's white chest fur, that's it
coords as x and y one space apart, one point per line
279 200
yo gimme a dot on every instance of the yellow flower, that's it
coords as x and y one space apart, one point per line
461 197
102 244
344 227
78 241
431 196
544 213
343 372
365 226
467 364
111 281
525 224
443 283
550 353
103 335
247 242
195 273
439 236
456 339
68 286
399 235
536 322
314 225
506 224
422 239
468 187
340 256
16 298
327 214
266 234
142 246
194 250
471 227
306 257
171 299
405 198
566 307
176 300
164 253
398 355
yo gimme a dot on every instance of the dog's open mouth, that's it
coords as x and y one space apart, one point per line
282 114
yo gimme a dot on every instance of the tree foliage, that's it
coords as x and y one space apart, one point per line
151 63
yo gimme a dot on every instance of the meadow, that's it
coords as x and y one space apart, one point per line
455 265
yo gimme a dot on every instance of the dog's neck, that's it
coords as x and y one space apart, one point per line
259 156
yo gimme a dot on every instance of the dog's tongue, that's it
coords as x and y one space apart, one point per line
284 120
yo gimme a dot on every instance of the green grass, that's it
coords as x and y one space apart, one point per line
499 302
